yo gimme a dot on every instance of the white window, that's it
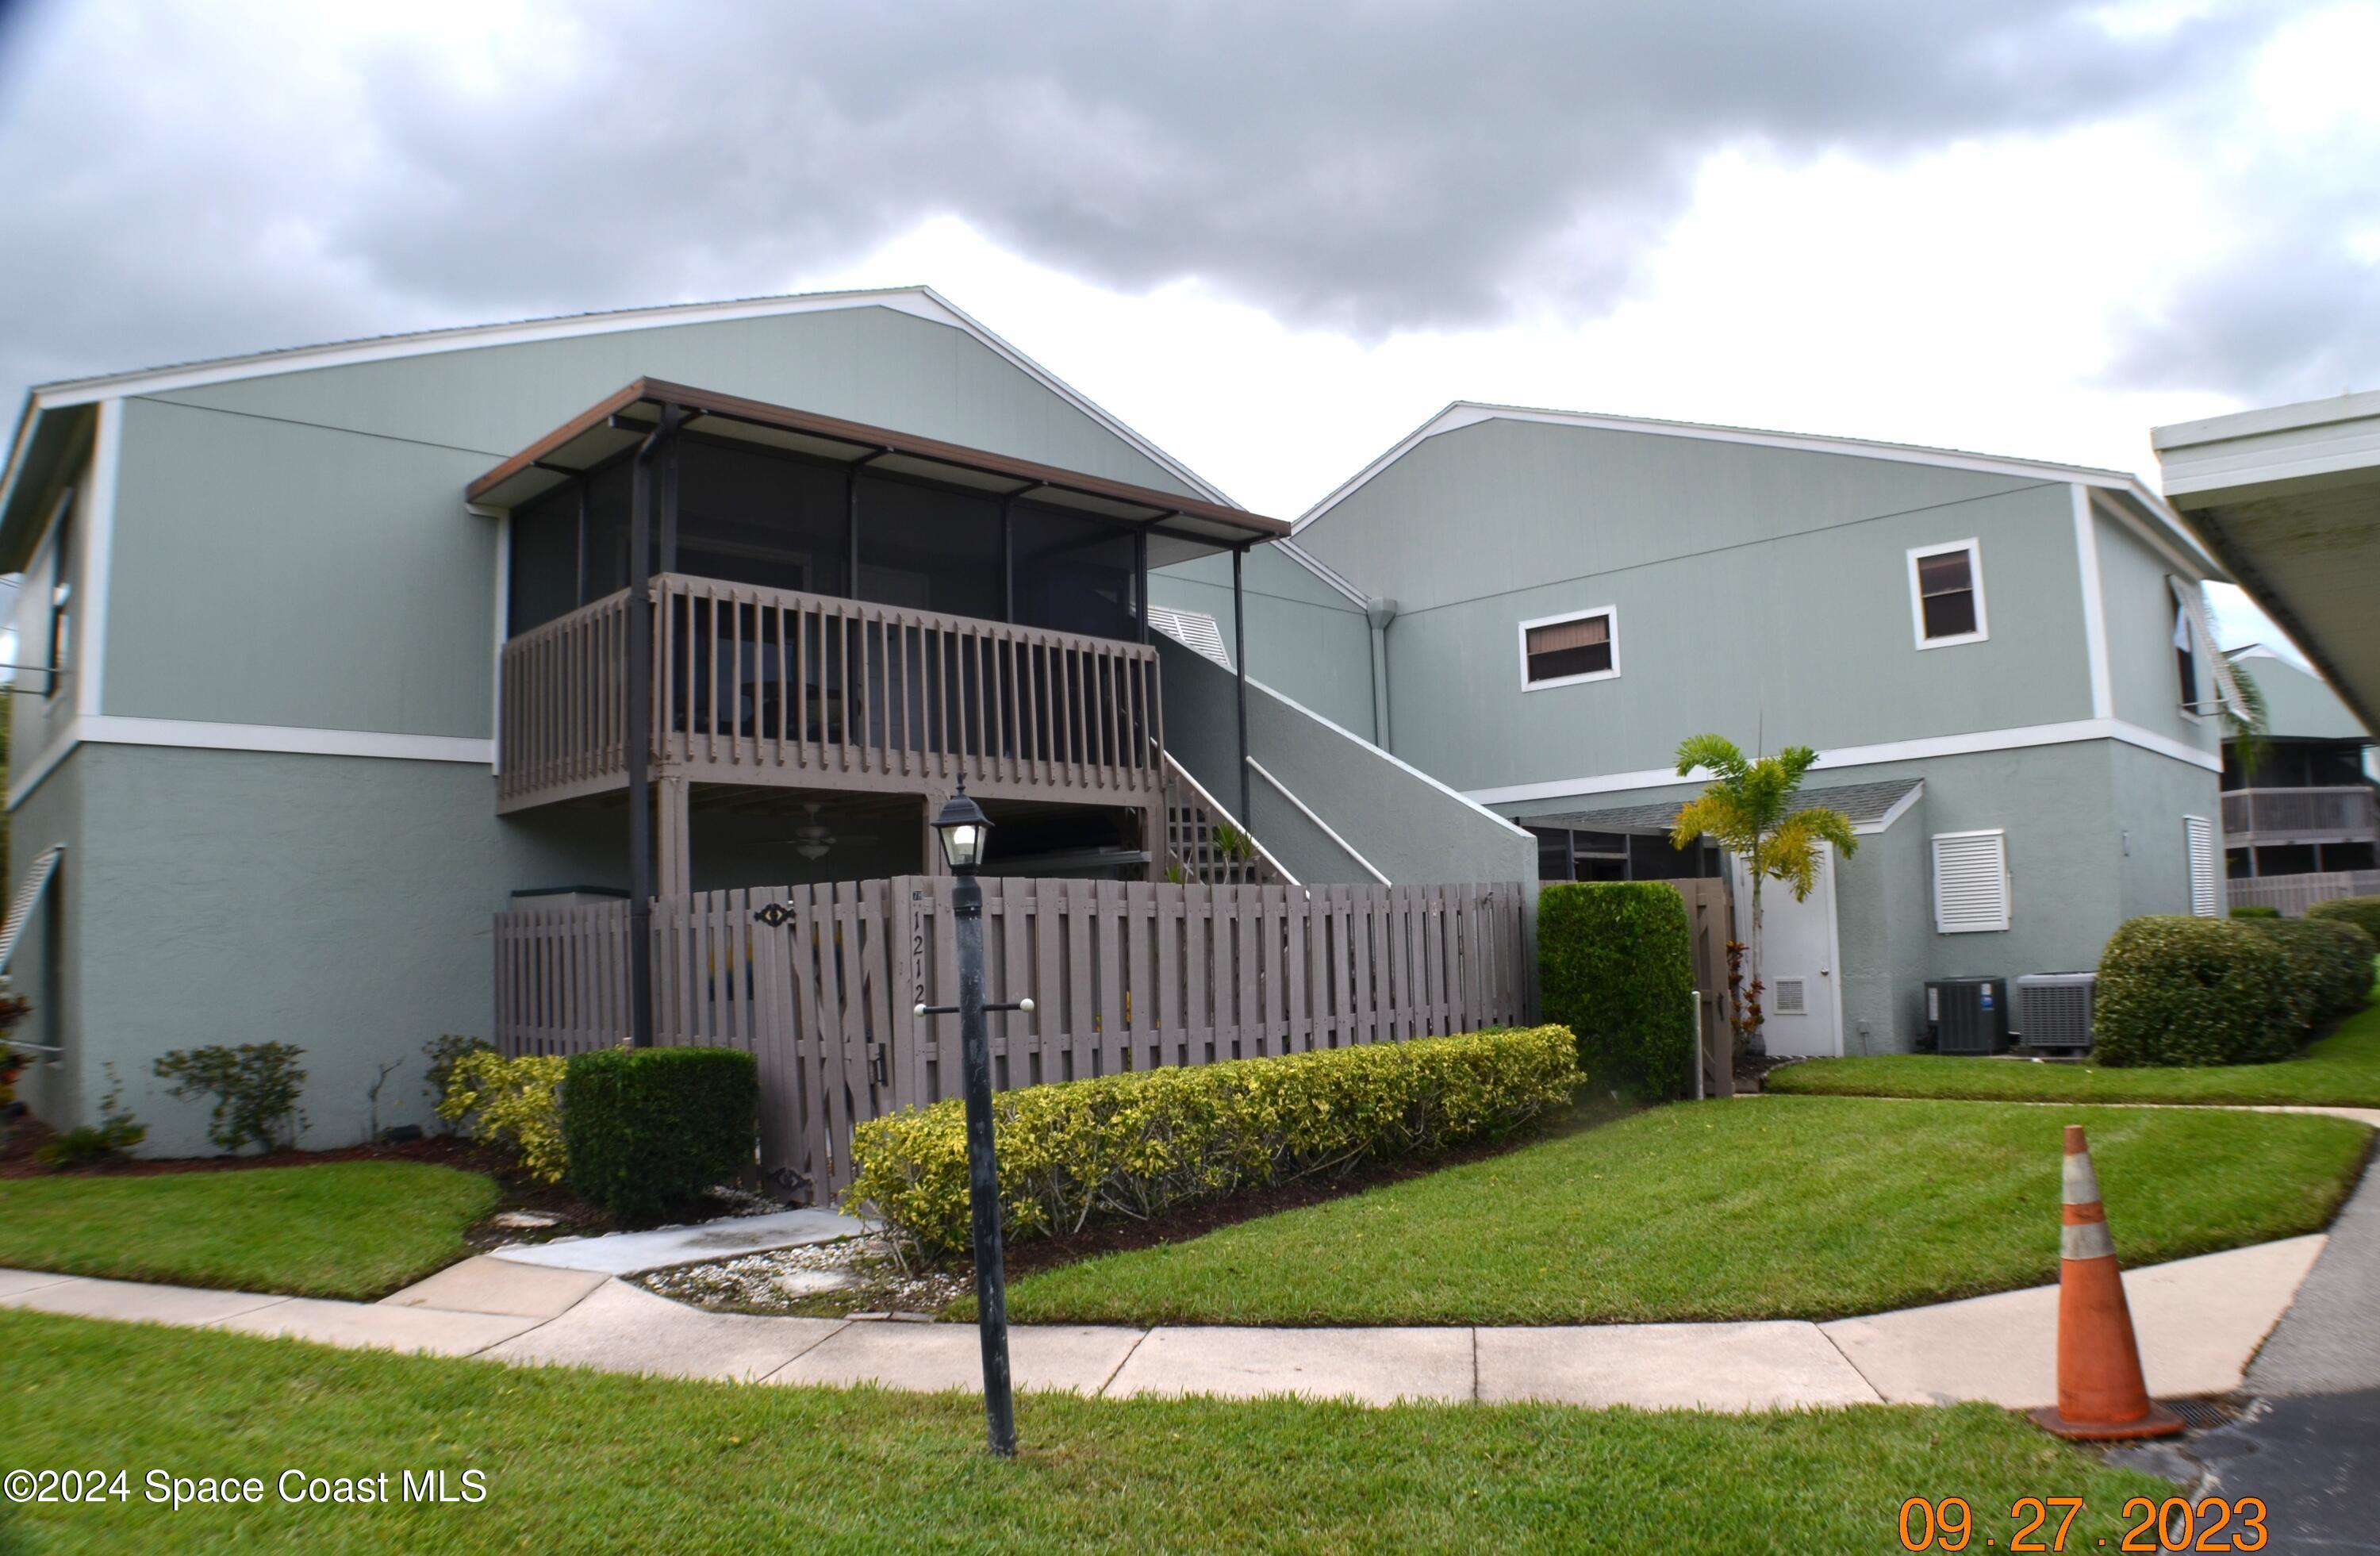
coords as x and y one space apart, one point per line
1971 881
2198 838
1564 650
1946 594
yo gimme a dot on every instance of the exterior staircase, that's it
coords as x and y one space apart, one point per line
1205 847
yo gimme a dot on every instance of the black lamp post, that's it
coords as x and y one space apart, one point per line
963 830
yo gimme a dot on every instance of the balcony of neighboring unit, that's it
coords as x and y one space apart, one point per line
821 605
2263 818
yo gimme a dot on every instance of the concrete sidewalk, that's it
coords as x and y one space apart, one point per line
2200 1321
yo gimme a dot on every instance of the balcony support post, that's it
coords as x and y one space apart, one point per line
676 874
1240 666
639 733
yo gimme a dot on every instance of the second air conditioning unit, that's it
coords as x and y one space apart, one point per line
2054 1009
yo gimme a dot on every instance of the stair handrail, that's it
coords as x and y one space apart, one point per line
1173 769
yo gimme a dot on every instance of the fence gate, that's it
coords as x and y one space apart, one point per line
1712 924
1124 976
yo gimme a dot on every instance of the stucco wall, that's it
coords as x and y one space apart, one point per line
1755 587
2066 809
340 904
294 551
1408 827
1304 637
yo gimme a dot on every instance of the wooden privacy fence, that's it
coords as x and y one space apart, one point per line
1711 922
1124 976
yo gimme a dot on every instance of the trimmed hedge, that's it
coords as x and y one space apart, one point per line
2178 990
1151 1141
2330 966
1615 965
2362 912
2251 911
646 1129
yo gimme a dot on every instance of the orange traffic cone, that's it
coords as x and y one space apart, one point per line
2101 1393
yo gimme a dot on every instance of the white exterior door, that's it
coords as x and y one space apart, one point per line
1803 1016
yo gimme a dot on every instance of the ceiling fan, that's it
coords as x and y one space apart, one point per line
813 838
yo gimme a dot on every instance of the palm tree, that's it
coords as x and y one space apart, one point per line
1748 809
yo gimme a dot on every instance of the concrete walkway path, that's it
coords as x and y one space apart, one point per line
2200 1320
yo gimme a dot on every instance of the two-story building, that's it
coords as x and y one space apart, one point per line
2005 664
347 648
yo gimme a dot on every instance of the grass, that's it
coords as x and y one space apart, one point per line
589 1462
1808 1208
2342 1070
340 1229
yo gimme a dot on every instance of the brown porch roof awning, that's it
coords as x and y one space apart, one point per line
618 423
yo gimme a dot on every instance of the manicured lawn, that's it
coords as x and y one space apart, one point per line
346 1229
586 1461
2343 1070
1752 1208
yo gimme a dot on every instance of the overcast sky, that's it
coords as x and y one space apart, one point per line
1274 238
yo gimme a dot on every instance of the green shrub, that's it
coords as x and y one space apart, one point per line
116 1132
2177 990
2362 912
514 1103
1615 965
2330 966
649 1128
255 1087
2246 911
442 1054
1148 1142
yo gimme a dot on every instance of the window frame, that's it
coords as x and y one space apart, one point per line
1974 547
1612 613
2008 882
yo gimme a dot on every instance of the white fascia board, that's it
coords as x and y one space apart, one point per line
98 554
2266 420
2094 605
1470 413
922 302
1869 756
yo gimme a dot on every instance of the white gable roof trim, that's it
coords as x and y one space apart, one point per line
921 302
1470 413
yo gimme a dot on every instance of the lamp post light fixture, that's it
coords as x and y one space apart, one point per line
964 829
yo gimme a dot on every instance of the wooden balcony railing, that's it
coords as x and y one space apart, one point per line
775 687
2342 814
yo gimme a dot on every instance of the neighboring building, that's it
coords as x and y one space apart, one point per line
2004 663
339 647
2309 808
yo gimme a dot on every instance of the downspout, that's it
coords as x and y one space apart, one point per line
1240 668
1379 613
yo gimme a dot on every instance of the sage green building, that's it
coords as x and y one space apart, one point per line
2004 666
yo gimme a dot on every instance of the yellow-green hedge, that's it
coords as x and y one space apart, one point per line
1150 1141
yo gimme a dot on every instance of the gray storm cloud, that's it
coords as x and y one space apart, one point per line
186 180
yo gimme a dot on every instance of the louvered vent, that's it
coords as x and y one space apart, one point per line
1194 630
1793 996
1971 881
2199 834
